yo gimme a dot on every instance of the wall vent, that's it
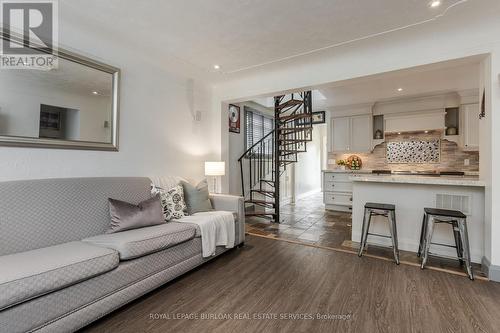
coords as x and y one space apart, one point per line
454 202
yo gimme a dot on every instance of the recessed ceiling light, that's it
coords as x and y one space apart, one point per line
399 133
216 67
95 93
400 89
435 3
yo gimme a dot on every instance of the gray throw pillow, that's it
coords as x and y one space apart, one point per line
126 216
197 199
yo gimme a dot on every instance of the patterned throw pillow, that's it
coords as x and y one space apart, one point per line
172 201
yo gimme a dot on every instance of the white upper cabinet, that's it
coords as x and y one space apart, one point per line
470 126
361 133
340 132
351 134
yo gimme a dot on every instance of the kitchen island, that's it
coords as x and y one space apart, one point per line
410 194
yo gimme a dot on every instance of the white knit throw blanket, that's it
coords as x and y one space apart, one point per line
217 229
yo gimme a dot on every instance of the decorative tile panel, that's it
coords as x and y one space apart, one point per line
413 151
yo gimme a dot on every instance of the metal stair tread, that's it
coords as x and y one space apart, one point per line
263 191
294 140
259 213
259 201
290 103
295 117
295 129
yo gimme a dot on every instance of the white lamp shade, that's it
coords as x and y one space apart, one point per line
215 168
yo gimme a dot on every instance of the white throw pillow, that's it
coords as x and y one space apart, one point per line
172 201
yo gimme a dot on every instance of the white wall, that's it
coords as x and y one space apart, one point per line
236 149
466 31
158 135
308 168
485 157
491 170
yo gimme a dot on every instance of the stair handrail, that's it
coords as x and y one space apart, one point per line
255 145
262 150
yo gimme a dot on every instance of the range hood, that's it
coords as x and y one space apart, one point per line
415 121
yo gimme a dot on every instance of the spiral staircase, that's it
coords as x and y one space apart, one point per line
263 164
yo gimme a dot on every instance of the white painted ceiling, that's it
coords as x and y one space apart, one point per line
243 34
450 76
384 87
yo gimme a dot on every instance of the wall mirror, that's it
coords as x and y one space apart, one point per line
73 106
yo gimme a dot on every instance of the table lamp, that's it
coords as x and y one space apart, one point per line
215 170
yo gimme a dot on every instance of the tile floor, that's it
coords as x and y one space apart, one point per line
309 223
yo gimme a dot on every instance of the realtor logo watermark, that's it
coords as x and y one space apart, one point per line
30 34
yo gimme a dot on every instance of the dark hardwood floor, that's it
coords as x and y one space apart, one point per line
270 278
307 222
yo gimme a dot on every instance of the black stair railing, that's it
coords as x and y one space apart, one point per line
258 161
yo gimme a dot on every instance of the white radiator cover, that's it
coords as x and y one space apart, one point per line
454 202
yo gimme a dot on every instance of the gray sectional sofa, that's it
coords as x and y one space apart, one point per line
53 276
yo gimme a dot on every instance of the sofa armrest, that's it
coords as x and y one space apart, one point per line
235 204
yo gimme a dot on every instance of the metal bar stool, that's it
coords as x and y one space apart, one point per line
378 209
458 221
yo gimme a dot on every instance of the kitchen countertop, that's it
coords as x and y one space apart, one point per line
416 179
364 171
369 171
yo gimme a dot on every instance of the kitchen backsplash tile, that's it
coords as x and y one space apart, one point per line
451 155
413 151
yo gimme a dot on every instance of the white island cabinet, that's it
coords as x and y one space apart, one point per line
337 189
411 194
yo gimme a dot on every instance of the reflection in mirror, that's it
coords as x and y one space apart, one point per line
72 102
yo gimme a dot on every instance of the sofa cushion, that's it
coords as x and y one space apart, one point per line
29 274
140 242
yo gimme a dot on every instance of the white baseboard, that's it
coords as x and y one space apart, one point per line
307 194
492 271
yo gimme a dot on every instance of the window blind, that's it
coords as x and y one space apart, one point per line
257 126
